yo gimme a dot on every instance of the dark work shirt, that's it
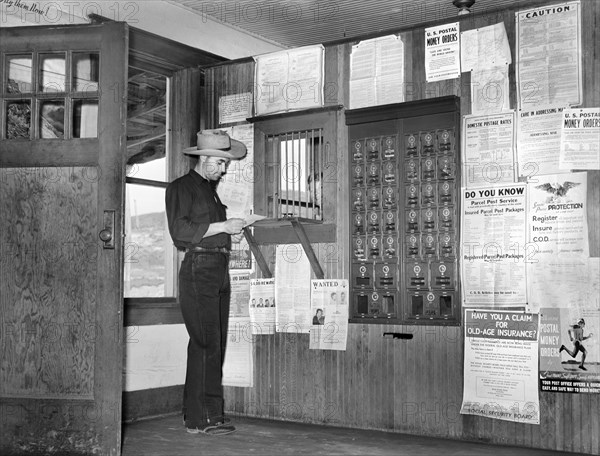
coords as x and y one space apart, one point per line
192 205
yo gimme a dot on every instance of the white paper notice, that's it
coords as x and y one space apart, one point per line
262 306
558 216
549 69
240 294
305 78
501 366
377 72
484 47
238 368
289 80
490 90
442 52
329 309
236 188
292 289
271 77
538 141
575 283
236 191
235 108
493 246
580 139
488 150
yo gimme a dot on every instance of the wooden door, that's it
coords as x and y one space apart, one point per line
62 149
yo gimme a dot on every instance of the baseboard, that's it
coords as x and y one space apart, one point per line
152 402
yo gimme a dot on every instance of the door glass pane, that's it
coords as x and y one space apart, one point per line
18 73
86 70
52 119
85 118
52 72
149 253
18 119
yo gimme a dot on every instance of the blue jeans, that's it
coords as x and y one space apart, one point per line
204 294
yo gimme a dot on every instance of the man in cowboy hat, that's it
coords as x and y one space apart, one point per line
199 225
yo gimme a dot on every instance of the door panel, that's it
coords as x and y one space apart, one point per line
61 292
48 311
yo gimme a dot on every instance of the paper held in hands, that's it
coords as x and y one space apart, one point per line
250 219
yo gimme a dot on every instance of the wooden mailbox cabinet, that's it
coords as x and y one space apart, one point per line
404 182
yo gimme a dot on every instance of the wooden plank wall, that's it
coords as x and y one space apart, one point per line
412 386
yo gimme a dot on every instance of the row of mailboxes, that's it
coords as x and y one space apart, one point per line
416 246
421 304
404 213
415 220
418 275
389 172
428 194
415 144
431 304
387 196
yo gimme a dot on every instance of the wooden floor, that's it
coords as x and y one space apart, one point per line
167 437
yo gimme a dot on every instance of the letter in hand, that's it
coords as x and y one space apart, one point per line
233 225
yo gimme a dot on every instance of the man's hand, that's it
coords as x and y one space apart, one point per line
233 225
237 238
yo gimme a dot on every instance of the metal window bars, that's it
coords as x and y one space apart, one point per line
295 174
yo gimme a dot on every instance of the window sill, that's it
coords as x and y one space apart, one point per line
282 232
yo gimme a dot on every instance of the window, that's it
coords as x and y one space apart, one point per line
295 173
51 95
296 157
149 268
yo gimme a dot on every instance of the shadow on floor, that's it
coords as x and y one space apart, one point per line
167 437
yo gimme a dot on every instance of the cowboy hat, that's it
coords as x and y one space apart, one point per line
217 143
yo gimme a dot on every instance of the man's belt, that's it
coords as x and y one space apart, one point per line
208 250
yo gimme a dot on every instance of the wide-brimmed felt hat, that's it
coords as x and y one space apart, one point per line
217 143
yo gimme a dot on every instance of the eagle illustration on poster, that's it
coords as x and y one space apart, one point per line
557 191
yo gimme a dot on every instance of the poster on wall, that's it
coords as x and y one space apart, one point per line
442 52
549 57
485 47
238 366
580 139
377 72
493 250
235 108
240 293
236 191
292 289
574 282
557 216
488 152
570 347
490 90
500 367
262 306
538 141
329 301
289 80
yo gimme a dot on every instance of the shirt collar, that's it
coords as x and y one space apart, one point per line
197 177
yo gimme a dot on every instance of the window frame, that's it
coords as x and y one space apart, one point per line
275 231
180 63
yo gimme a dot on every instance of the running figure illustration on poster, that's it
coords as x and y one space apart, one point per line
576 335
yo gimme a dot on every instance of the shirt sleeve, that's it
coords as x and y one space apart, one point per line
179 206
